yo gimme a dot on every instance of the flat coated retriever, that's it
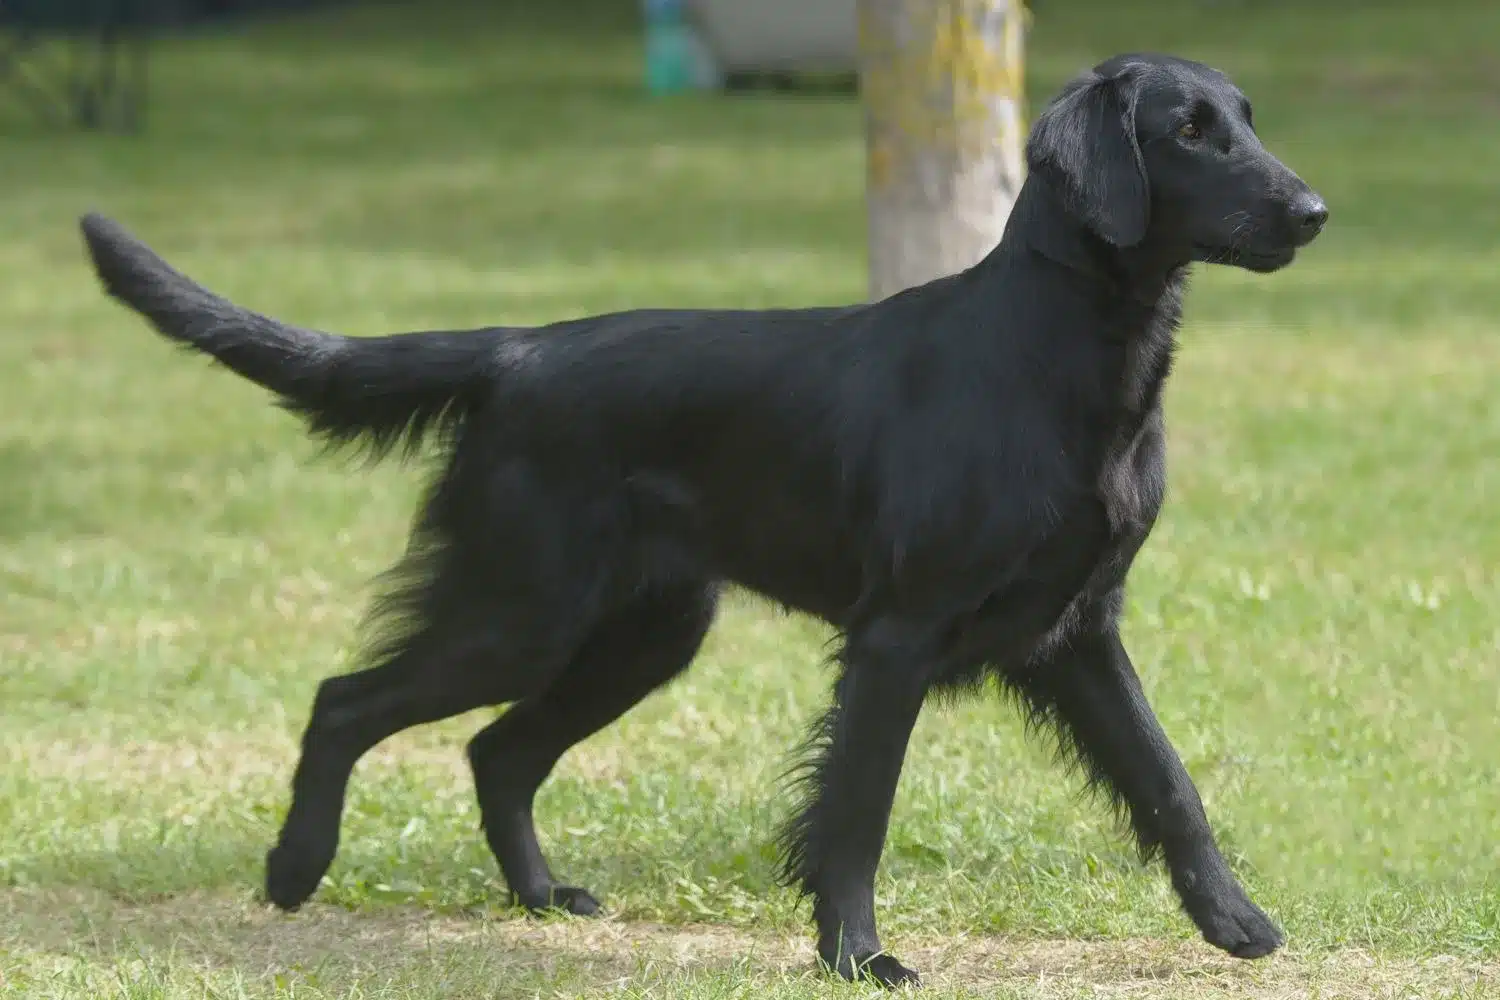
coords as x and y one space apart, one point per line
957 478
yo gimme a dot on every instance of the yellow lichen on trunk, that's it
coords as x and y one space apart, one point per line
942 86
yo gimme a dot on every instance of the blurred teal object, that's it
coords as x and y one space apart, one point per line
667 46
676 59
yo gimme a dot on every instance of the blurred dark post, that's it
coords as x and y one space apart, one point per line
94 75
942 82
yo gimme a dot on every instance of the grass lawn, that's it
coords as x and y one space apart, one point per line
1315 616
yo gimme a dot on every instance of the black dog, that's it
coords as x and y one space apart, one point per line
957 478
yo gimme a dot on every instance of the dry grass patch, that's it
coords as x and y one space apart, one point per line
331 949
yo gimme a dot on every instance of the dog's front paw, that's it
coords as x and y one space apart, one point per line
293 874
1229 920
566 898
879 968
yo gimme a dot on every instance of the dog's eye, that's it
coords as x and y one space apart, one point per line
1189 131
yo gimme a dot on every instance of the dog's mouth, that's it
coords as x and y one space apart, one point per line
1259 261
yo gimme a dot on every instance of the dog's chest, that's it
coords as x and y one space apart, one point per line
1130 488
1129 485
1131 478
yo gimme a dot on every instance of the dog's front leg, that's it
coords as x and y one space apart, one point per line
833 848
1090 688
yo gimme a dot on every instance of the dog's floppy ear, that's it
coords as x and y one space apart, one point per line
1084 145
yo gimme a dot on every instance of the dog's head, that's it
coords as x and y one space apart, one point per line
1157 152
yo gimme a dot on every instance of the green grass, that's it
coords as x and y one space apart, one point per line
1315 617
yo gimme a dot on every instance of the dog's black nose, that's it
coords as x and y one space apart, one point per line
1310 214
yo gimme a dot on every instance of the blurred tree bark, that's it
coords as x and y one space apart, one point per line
942 88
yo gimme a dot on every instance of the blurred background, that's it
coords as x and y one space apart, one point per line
1314 617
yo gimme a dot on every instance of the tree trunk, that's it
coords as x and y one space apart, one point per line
942 86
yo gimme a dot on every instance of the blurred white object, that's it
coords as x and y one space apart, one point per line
758 36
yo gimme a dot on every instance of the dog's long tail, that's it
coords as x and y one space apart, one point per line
377 392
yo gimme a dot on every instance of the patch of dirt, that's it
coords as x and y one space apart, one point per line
218 932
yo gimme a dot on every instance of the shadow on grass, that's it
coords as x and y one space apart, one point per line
729 879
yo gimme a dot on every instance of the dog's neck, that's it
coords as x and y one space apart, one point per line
1137 292
1040 226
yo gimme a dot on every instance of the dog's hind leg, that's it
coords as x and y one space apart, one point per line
457 648
350 715
630 654
1090 689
